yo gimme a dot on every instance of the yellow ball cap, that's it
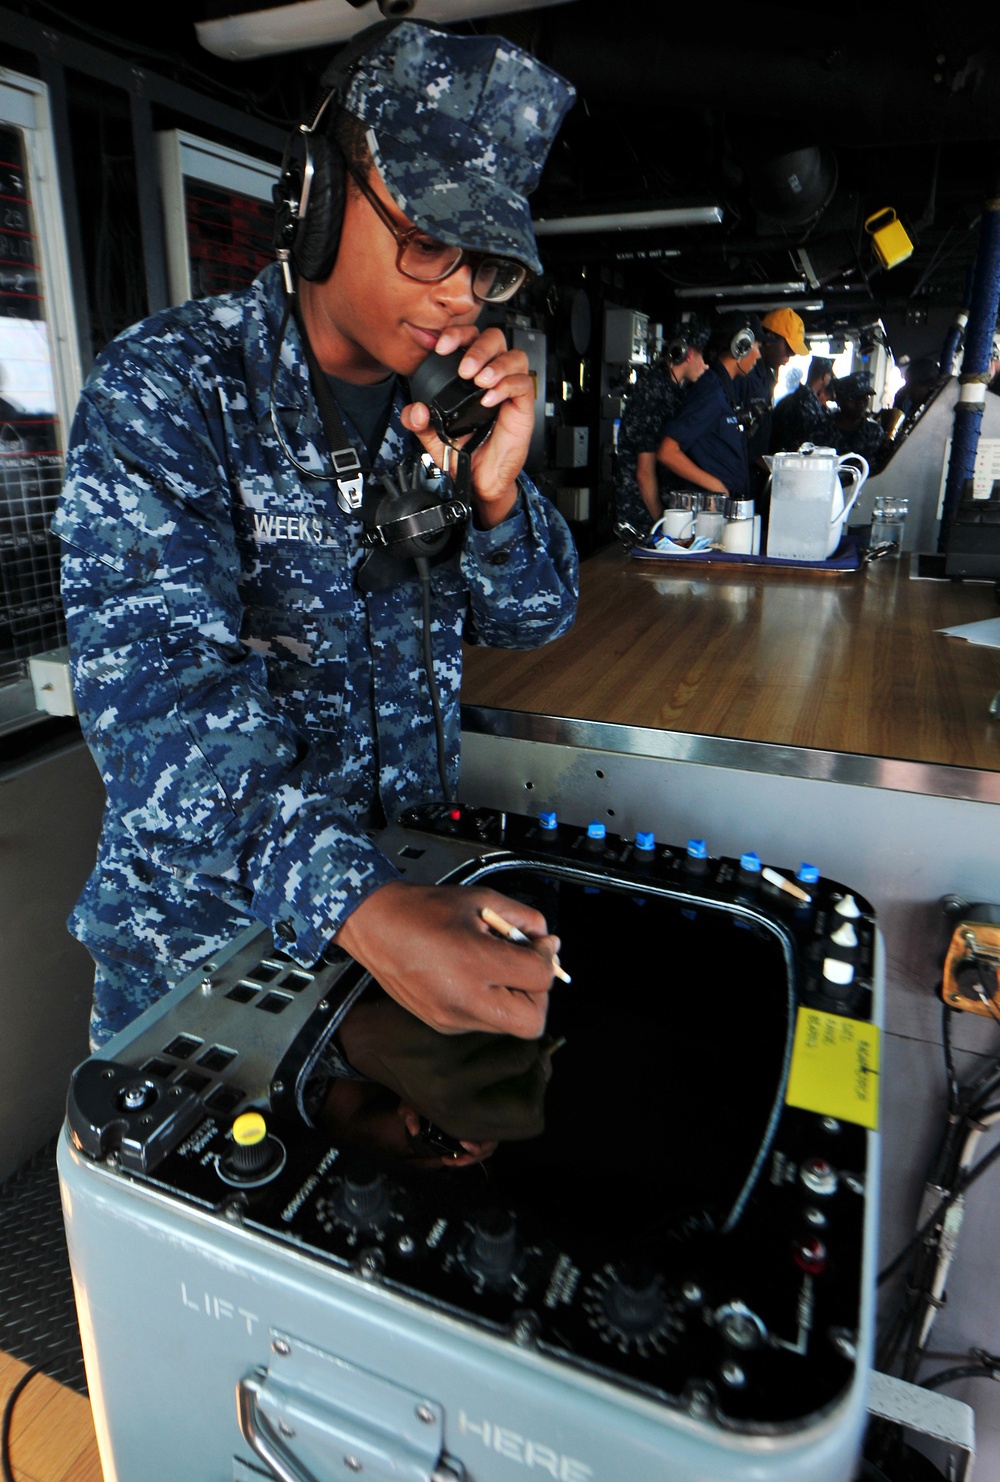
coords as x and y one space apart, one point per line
791 328
248 1129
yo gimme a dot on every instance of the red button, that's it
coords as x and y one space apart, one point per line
810 1255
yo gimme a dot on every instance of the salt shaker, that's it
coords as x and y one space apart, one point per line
737 532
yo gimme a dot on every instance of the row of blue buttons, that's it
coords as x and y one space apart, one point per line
696 848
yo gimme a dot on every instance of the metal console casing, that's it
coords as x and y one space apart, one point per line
269 1329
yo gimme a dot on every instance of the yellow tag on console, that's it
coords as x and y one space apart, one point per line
835 1067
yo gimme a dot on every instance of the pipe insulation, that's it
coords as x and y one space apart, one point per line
983 307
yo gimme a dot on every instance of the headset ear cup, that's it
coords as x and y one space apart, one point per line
318 237
742 343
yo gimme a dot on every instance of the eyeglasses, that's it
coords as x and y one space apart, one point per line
427 260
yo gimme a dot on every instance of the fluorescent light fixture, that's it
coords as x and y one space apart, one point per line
733 290
764 306
627 221
294 27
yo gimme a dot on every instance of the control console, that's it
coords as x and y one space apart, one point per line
659 1193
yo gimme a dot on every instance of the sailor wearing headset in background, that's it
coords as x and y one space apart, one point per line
704 446
261 687
649 406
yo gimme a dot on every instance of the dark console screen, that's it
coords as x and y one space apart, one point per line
643 1116
661 1099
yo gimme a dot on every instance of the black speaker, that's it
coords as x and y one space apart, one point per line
309 196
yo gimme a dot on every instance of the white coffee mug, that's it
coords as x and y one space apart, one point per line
677 523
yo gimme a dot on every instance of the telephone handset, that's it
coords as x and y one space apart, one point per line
455 404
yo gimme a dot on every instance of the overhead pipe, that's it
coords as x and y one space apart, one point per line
623 221
983 305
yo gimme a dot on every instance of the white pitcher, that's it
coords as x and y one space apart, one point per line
809 505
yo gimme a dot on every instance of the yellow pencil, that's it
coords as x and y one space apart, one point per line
514 934
774 878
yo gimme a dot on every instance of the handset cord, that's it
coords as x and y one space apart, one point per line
8 1416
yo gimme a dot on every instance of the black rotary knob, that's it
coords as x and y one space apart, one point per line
634 1301
364 1196
494 1248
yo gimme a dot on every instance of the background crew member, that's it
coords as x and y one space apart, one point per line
854 429
783 336
994 368
703 446
254 688
802 417
649 406
920 377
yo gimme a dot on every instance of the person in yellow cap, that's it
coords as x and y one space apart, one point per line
784 336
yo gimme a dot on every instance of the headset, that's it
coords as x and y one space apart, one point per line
309 194
677 350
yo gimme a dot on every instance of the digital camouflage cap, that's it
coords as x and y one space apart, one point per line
459 128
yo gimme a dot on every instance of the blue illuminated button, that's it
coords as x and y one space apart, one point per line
596 833
808 874
548 821
750 862
645 843
697 849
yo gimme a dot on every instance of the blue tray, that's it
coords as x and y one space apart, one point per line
844 559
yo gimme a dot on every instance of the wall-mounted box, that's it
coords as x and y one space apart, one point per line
626 337
572 447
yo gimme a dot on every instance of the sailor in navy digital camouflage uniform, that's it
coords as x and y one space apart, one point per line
852 427
649 406
801 416
254 712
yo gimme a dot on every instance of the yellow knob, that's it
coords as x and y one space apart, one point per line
249 1129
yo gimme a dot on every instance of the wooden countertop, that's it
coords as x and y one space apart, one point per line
841 663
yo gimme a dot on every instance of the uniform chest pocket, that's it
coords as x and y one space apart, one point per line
300 613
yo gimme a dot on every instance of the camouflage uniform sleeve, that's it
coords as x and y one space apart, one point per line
204 774
523 576
648 407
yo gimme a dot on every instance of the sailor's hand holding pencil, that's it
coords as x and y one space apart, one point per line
498 924
459 957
